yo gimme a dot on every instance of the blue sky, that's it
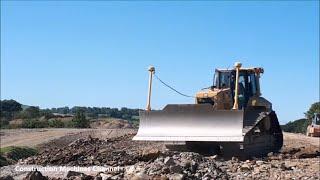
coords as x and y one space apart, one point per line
85 53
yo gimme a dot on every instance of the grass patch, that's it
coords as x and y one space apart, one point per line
11 154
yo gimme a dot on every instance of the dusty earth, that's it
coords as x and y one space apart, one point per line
110 123
33 137
96 149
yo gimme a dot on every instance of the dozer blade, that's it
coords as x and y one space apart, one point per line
191 122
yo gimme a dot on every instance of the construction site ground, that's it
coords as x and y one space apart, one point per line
298 159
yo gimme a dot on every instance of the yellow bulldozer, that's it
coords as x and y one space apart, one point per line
229 118
313 129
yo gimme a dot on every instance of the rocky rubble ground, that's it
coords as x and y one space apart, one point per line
85 152
143 160
188 165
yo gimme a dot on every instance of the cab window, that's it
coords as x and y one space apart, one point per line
224 79
252 84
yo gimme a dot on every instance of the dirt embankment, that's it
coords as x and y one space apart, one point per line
38 137
292 139
110 123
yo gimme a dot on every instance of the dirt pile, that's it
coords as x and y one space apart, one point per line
111 124
299 150
88 151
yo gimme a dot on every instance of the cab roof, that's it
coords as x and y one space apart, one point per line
253 69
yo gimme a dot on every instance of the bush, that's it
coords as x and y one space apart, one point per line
56 123
135 123
46 114
14 126
4 123
35 123
29 113
297 126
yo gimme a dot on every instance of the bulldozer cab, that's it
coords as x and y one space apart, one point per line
248 83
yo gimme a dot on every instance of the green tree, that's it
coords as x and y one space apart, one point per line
80 120
32 112
300 125
63 110
315 108
46 113
8 107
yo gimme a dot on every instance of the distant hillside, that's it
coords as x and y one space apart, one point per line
297 126
17 115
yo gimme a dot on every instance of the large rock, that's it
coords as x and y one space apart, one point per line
98 177
8 177
140 176
78 175
176 169
35 175
176 176
169 161
245 167
165 170
186 163
194 167
73 173
290 165
105 176
150 154
259 163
